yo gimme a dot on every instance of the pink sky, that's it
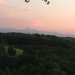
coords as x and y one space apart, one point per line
59 16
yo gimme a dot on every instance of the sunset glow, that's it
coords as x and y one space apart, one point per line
59 16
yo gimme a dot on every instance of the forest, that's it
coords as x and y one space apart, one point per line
36 54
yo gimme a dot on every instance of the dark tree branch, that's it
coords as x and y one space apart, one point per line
27 1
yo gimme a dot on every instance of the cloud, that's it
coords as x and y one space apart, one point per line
10 17
10 20
7 22
11 11
38 24
2 3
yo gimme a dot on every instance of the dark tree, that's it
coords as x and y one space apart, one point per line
2 50
11 51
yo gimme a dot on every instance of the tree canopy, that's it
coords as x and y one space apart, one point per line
36 54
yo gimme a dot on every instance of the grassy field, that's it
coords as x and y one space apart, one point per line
19 52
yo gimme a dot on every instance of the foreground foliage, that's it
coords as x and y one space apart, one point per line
41 54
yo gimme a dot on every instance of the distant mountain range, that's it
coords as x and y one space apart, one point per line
30 31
